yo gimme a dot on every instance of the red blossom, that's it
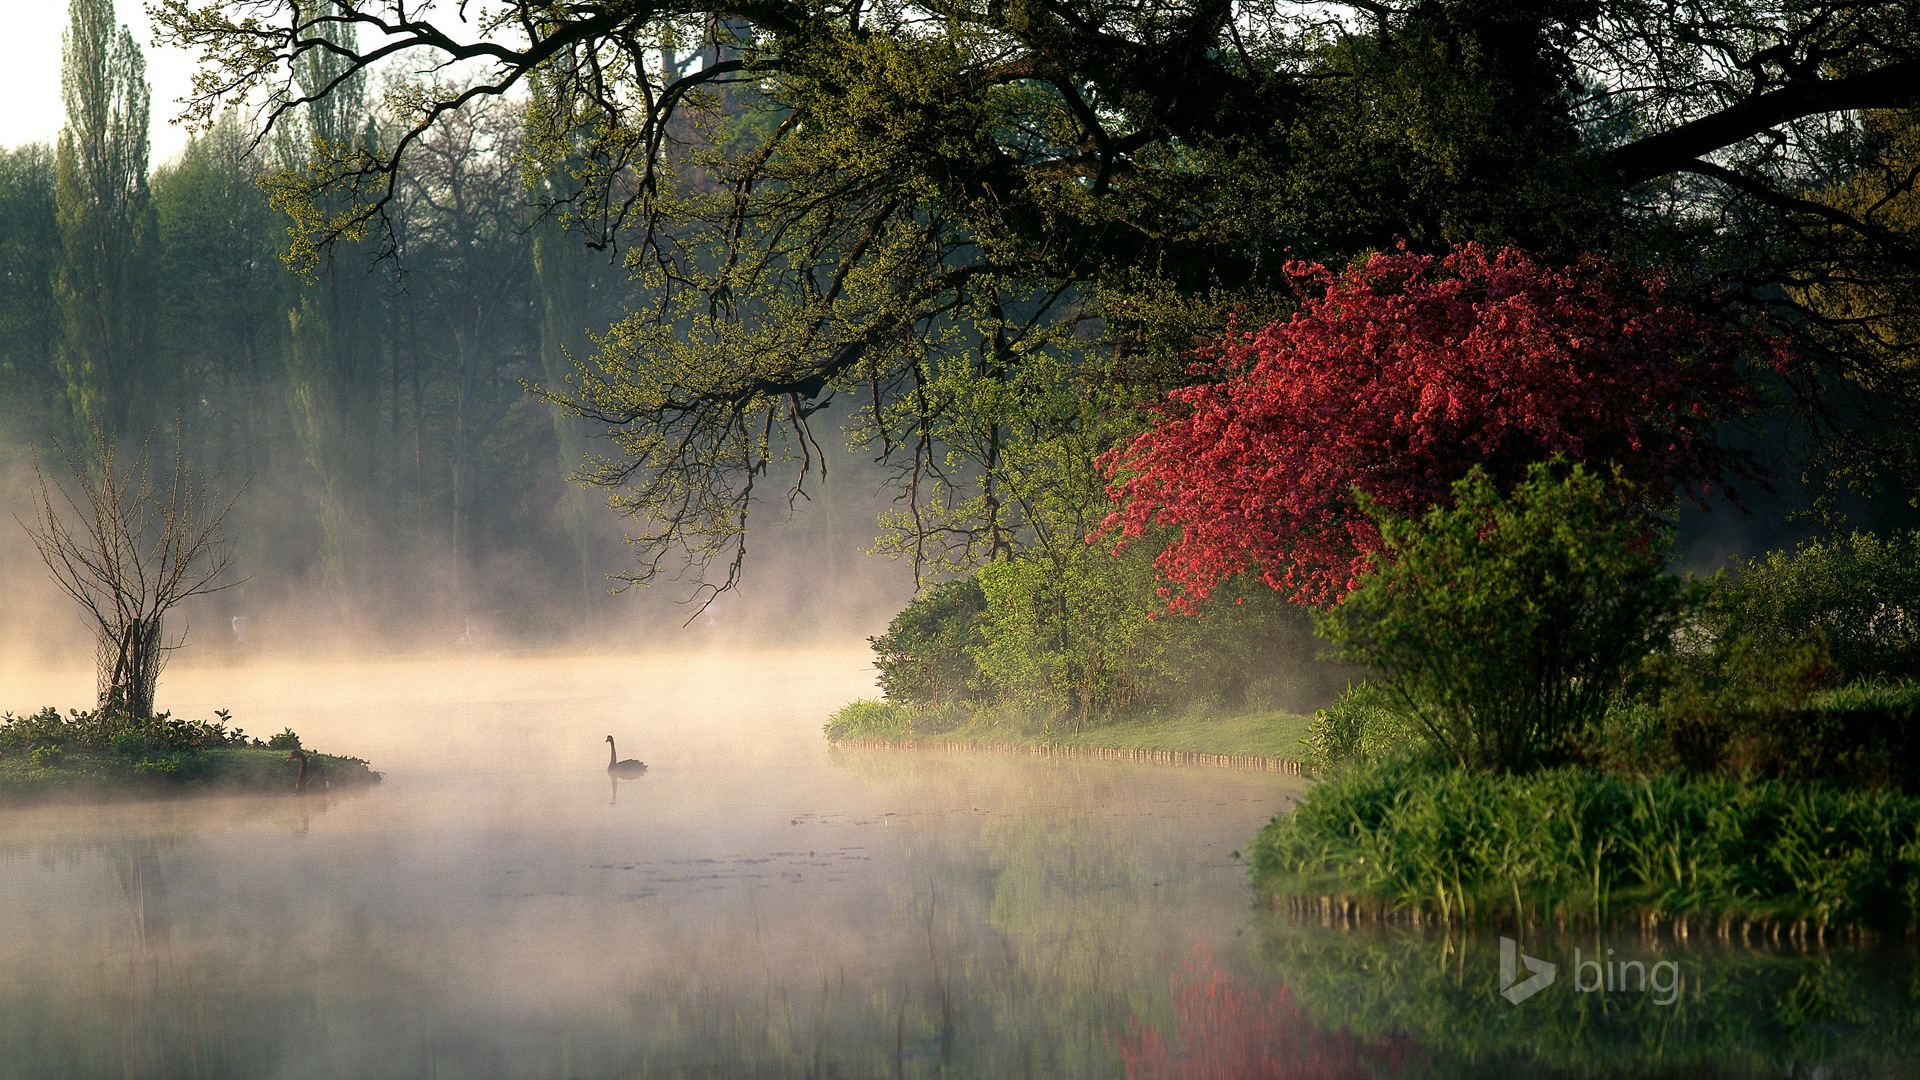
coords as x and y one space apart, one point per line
1401 376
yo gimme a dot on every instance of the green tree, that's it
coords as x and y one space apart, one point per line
221 326
30 325
106 222
335 320
840 199
1506 625
468 255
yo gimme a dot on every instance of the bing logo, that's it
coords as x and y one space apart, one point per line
1540 977
1661 978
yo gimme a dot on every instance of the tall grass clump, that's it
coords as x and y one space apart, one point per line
1581 845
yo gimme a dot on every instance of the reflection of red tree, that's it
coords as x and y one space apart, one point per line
1226 1029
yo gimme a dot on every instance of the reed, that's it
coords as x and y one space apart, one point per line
1417 842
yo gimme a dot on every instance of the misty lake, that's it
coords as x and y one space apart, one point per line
759 904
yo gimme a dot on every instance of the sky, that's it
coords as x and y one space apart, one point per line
30 74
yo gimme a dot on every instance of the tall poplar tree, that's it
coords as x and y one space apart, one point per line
106 222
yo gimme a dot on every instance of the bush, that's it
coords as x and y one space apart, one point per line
1361 727
1508 625
116 732
1857 595
286 740
926 655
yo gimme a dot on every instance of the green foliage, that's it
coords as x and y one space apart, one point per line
1858 595
1363 726
926 657
115 732
1082 636
103 282
30 326
1507 625
1582 845
286 740
870 719
46 756
1793 668
1071 634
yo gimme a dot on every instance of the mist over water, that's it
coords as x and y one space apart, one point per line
760 904
756 904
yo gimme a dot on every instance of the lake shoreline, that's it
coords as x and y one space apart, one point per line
1261 741
1144 755
95 776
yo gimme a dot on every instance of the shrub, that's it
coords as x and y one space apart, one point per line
1859 595
286 740
115 732
1506 626
926 655
1362 726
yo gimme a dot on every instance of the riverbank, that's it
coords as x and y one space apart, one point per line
1267 740
1723 857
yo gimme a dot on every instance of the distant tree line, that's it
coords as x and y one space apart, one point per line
376 398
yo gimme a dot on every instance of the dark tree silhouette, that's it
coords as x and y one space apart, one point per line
133 543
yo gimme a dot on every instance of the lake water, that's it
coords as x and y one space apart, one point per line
759 905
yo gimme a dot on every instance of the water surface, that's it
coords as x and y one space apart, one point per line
760 905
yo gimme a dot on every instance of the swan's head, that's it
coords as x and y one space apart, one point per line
609 738
300 754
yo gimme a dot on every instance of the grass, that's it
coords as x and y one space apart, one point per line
94 775
1260 733
1581 846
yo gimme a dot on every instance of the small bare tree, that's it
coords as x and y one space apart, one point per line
129 547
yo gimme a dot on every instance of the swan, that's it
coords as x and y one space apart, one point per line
617 767
300 783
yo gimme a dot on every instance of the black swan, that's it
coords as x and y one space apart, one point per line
300 783
617 767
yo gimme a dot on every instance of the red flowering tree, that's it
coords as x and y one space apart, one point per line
1400 376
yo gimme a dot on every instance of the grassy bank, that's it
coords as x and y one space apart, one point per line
1266 734
92 775
1404 841
94 756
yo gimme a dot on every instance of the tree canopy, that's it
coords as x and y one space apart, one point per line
985 227
1402 375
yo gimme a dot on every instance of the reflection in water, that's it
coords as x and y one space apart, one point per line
1227 1028
1618 1004
759 905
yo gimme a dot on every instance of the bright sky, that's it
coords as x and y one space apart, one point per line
30 109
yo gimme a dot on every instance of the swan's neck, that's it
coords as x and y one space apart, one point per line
301 783
613 753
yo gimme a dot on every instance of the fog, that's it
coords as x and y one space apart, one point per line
755 904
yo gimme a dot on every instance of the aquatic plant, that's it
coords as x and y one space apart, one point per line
1406 840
